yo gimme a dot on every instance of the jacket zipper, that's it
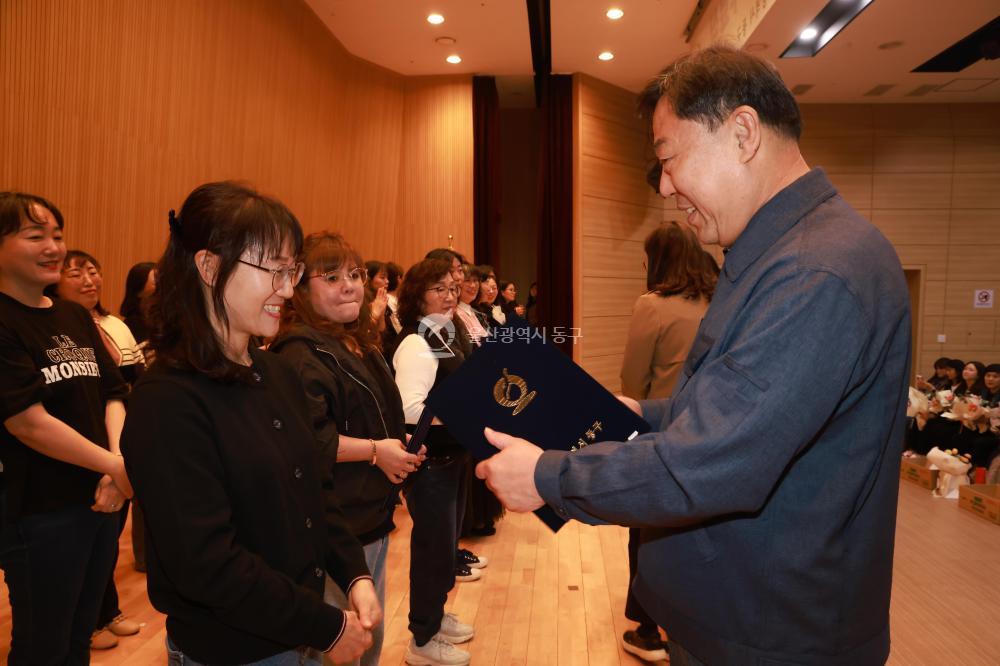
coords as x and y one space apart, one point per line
362 385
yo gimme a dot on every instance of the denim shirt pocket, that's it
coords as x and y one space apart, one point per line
699 350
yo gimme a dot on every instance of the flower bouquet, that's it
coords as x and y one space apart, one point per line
954 471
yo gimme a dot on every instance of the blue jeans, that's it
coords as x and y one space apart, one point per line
299 657
375 556
57 566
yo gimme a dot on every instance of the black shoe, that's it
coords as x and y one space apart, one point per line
470 559
647 649
464 574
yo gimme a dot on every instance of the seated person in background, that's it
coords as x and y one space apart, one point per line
241 533
972 379
938 380
982 446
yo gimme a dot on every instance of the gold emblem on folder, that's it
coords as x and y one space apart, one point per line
504 387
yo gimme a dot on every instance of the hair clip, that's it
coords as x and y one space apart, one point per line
174 222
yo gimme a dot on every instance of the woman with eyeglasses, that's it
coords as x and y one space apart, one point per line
427 353
82 282
61 398
334 346
241 528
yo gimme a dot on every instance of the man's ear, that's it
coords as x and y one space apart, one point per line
746 131
207 264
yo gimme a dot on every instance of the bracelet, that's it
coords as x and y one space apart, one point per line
374 457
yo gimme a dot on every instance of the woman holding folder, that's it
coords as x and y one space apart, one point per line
426 354
334 346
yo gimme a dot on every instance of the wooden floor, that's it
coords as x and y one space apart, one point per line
551 600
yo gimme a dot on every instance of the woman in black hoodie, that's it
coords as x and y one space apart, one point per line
355 406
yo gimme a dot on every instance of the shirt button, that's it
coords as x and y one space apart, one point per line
309 523
277 424
257 377
318 572
297 473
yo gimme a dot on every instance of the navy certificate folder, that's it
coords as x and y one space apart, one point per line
534 391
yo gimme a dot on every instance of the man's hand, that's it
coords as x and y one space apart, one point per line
510 474
353 642
364 602
632 404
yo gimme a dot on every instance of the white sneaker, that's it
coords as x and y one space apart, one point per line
436 652
454 630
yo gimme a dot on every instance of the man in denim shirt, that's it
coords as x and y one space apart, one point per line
767 491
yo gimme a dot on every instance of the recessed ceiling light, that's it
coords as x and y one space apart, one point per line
454 59
605 55
887 46
435 19
808 33
444 41
614 13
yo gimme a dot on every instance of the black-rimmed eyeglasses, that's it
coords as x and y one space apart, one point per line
279 276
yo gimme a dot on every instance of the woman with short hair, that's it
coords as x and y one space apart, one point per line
426 354
61 397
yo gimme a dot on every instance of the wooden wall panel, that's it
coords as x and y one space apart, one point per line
970 227
919 119
837 155
911 190
436 169
979 154
117 109
603 336
616 211
913 154
913 227
605 296
607 218
976 190
613 258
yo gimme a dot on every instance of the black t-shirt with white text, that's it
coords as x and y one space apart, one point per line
53 356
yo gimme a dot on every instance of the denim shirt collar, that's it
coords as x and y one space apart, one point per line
775 218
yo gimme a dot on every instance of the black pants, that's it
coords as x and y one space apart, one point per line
434 500
633 609
109 605
57 567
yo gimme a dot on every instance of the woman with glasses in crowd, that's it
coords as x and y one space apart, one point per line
241 528
426 354
82 282
356 411
62 412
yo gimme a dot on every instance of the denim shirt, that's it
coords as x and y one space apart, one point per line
768 486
